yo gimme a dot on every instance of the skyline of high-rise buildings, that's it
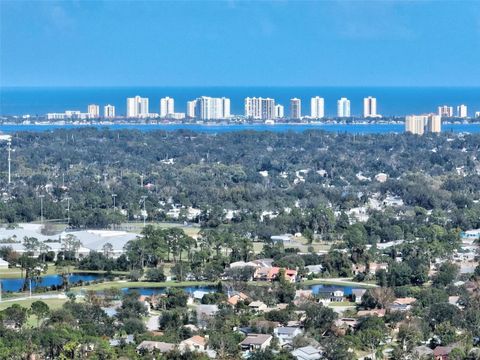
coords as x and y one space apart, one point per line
255 108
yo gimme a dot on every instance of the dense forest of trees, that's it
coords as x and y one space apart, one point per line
247 173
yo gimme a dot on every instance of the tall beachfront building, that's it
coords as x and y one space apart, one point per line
93 111
137 107
317 107
109 111
370 107
419 124
279 111
445 111
343 107
259 108
462 111
167 106
191 108
295 108
208 108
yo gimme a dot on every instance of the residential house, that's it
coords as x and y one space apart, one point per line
204 313
271 274
307 353
150 346
442 352
328 296
302 296
235 298
357 295
258 306
256 342
314 269
373 312
423 351
285 334
402 304
3 264
195 343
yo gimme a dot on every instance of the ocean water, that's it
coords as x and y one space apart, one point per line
391 101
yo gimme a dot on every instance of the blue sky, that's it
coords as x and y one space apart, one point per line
247 43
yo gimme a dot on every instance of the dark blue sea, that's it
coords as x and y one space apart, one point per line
392 101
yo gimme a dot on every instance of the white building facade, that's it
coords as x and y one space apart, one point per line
295 108
370 107
137 107
167 106
462 111
109 111
317 107
343 107
259 108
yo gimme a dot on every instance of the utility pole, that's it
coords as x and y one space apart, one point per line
68 210
114 196
144 210
41 207
9 162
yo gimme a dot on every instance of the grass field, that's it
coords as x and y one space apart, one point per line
136 227
52 303
143 284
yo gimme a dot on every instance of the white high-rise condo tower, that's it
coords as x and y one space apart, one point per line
167 106
208 108
343 107
191 108
419 124
137 107
445 111
109 111
462 111
317 107
295 108
93 111
259 108
370 107
279 111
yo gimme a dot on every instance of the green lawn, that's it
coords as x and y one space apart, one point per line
52 303
15 273
142 284
137 227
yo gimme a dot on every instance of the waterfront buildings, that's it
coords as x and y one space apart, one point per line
259 108
208 108
317 107
343 107
370 107
445 111
167 106
191 108
137 107
93 111
109 111
279 111
295 108
419 124
462 111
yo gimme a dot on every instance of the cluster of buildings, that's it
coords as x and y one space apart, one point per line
258 108
93 112
215 108
421 124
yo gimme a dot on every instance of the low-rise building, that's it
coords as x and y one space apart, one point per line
286 334
255 342
307 353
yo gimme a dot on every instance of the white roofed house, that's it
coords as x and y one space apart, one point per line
3 264
256 342
307 353
286 334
